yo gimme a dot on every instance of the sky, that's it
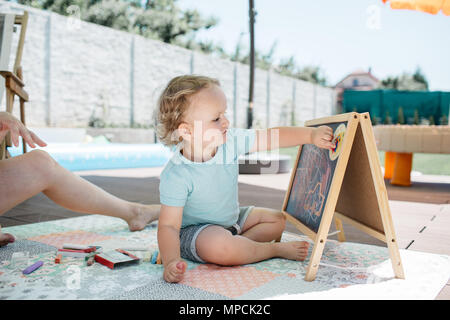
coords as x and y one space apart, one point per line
339 36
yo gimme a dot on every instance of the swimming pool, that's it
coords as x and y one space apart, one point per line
94 156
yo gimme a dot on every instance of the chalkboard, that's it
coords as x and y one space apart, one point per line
344 184
313 175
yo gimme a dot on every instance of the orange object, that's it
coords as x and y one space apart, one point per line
389 161
58 259
402 169
429 6
158 259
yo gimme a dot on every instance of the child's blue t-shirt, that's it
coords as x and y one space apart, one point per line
208 191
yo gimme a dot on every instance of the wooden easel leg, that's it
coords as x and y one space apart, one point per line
382 197
314 261
319 244
391 241
395 257
339 226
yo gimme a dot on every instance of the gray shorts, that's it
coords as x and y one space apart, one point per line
189 234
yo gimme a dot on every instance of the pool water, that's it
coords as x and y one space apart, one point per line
94 156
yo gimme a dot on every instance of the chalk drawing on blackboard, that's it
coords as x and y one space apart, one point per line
311 185
338 139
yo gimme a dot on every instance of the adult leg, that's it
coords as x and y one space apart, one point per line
24 176
216 245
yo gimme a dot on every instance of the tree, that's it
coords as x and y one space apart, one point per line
431 120
406 81
374 121
158 19
262 60
416 117
311 74
164 20
387 119
115 14
59 6
287 66
419 77
390 83
400 116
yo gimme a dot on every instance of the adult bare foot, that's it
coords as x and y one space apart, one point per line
295 250
143 215
6 238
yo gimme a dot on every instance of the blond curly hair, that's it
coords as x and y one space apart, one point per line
173 103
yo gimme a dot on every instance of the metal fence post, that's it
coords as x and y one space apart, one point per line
235 95
132 82
268 99
48 69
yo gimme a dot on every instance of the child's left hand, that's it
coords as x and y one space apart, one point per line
322 137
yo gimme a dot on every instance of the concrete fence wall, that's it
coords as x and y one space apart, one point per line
75 70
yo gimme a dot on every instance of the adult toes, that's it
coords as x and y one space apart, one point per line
6 238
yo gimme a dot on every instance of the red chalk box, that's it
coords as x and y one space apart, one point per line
115 258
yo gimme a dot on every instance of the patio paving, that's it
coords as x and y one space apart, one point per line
421 213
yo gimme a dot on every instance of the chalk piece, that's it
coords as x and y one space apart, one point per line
58 259
135 248
90 261
338 139
75 246
158 259
33 267
154 256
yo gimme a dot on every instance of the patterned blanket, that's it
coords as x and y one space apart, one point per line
347 270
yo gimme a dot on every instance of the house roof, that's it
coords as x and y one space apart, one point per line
359 73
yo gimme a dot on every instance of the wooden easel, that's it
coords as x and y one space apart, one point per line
14 85
357 194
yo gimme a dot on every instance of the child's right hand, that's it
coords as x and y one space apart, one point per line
174 270
322 137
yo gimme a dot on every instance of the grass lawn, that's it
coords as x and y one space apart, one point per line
426 163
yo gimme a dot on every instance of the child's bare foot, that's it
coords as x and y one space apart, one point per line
6 238
295 250
143 215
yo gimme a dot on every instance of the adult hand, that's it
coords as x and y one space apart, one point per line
9 123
